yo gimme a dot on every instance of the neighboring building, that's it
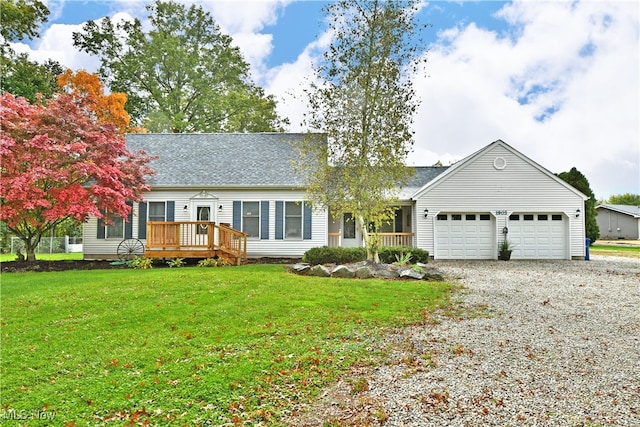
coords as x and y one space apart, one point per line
248 181
618 222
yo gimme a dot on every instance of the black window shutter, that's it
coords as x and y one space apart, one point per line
237 214
128 224
101 228
264 220
306 217
171 211
279 220
142 220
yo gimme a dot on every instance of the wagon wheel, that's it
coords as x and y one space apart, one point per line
128 249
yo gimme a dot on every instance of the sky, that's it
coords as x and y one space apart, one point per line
556 80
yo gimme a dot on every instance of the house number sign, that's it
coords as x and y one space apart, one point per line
501 213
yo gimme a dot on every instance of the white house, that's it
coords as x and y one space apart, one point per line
248 182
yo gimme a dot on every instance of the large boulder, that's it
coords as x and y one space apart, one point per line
409 273
342 271
320 271
301 268
364 272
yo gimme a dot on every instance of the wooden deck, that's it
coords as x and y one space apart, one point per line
195 239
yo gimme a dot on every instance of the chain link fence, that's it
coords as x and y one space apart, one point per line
50 245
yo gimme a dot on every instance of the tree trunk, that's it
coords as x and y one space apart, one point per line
31 245
370 242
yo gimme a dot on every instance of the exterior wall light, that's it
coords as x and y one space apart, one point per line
426 213
219 208
577 213
185 208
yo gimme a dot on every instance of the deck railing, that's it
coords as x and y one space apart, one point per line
195 239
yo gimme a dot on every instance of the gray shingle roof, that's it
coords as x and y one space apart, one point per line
422 176
625 209
235 160
220 160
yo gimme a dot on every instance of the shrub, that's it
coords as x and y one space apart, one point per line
391 254
176 262
334 255
209 262
214 262
141 263
388 255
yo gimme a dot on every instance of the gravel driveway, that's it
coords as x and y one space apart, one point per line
545 343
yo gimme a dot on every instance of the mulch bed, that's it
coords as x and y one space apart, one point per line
23 266
39 265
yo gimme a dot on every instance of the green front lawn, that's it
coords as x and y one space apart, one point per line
615 250
190 345
74 256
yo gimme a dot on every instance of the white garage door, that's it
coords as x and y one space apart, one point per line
538 236
464 236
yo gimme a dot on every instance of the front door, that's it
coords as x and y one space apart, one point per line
202 211
350 232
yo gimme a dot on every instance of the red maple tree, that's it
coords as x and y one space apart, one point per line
58 161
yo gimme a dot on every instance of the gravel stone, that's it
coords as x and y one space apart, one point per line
544 343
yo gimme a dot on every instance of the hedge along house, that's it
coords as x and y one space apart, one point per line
210 188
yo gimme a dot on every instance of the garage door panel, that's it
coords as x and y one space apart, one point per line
538 236
465 237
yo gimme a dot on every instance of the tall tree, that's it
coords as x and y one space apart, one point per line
25 78
365 105
580 182
59 163
625 199
108 108
21 18
19 76
182 75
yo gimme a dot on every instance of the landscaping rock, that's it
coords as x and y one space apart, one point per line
364 272
387 273
367 270
433 275
301 268
409 273
319 270
343 271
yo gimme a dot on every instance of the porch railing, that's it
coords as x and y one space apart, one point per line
386 239
396 239
195 239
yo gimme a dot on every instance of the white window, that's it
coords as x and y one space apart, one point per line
115 229
293 220
157 211
251 218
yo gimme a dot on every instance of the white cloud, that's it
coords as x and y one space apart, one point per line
56 43
576 63
244 21
288 82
